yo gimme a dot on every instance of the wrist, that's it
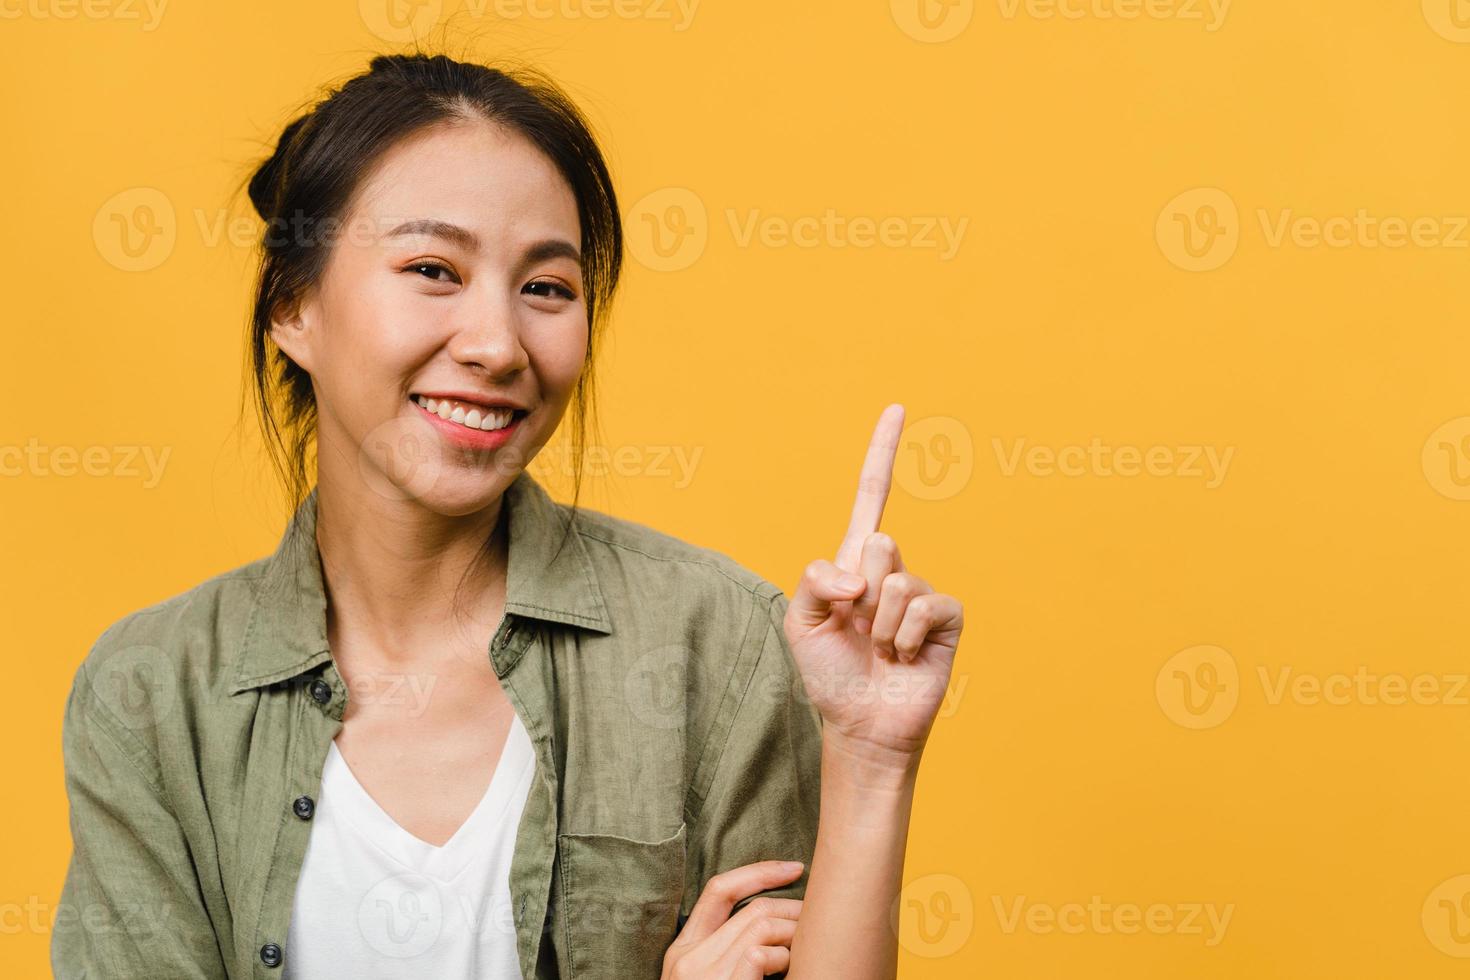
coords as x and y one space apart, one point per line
857 761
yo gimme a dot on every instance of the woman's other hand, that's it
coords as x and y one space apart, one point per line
753 943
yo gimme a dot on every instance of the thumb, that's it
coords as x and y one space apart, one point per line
822 584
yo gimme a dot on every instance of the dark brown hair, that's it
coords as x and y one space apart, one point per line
304 188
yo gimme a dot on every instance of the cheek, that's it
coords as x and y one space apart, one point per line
557 351
373 332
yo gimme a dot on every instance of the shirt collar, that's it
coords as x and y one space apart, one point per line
546 579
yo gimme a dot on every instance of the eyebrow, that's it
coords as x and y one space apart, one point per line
551 248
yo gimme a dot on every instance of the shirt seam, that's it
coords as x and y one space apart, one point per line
700 786
130 746
103 724
710 563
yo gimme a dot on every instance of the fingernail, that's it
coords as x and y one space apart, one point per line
792 865
849 582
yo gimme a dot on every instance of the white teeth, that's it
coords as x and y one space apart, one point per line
489 421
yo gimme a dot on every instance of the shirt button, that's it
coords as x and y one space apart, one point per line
270 954
321 692
304 807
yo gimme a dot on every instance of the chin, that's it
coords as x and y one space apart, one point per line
461 491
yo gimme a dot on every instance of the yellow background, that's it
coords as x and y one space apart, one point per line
1078 150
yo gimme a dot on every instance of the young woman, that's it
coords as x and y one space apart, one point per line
451 728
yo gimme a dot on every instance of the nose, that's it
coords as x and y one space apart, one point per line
489 335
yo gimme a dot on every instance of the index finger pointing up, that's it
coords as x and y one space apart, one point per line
873 484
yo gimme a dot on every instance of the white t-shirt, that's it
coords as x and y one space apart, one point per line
375 901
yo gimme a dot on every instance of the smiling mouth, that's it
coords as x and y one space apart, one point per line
468 414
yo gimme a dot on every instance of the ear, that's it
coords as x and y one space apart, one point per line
291 329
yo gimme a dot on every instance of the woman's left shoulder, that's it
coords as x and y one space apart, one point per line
653 569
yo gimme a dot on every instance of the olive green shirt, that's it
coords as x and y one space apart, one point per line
672 734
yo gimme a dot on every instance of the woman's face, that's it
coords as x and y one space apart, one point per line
452 302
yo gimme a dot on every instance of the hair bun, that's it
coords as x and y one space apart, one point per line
265 184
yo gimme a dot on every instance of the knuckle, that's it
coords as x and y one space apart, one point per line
763 907
755 930
721 885
893 585
880 540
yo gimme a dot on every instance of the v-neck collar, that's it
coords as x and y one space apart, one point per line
442 862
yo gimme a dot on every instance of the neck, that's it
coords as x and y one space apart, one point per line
392 569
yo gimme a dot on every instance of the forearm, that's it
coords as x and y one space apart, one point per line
845 930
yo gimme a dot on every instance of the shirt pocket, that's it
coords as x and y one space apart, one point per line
621 902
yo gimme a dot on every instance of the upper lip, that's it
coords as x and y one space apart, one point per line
474 398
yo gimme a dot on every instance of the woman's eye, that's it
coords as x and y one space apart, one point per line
542 287
433 270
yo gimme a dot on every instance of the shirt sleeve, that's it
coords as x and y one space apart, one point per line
764 794
131 905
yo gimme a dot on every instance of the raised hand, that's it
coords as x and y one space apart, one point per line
874 642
